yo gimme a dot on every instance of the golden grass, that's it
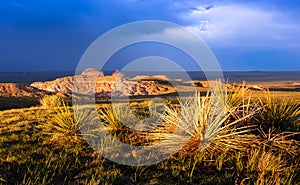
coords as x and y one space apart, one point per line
278 113
204 124
65 123
51 101
217 132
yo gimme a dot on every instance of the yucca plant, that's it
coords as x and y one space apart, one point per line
237 97
280 142
239 104
51 101
203 123
65 123
118 118
278 113
121 122
201 128
111 119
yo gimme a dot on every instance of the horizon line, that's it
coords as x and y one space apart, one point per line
58 71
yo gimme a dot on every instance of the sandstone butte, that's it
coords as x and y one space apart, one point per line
90 82
93 82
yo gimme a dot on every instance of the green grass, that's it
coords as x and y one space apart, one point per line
225 144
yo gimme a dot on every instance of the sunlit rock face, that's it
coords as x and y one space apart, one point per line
64 85
92 72
93 82
20 90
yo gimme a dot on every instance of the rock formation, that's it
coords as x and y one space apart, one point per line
92 72
20 90
151 78
93 82
256 87
117 73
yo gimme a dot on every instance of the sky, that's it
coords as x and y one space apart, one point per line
52 35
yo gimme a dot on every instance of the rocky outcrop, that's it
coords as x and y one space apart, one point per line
207 84
92 72
117 73
204 84
90 82
125 87
256 87
20 90
64 85
296 84
151 78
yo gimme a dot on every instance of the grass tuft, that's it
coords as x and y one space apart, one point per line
65 124
51 101
277 113
204 123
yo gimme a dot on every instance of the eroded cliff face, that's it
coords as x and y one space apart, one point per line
64 85
20 90
95 83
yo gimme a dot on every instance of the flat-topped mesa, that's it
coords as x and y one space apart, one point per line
93 82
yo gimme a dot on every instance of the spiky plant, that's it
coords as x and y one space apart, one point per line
65 123
280 142
121 122
203 123
116 119
278 113
270 167
239 104
238 96
51 101
122 117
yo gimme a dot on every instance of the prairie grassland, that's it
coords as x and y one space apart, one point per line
246 139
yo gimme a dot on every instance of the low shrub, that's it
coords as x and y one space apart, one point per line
277 113
51 101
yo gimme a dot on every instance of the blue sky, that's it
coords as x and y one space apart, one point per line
51 35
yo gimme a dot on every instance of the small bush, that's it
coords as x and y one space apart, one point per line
51 101
204 123
238 97
65 124
277 113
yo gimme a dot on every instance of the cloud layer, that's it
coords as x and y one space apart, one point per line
237 25
244 35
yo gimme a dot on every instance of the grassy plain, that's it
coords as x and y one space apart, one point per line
255 141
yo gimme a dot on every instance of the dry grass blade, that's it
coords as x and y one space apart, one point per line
51 101
237 97
278 113
205 121
281 142
111 118
65 124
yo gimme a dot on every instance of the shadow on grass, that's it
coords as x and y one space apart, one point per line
13 103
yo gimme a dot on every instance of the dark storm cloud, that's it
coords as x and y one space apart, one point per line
42 13
53 34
